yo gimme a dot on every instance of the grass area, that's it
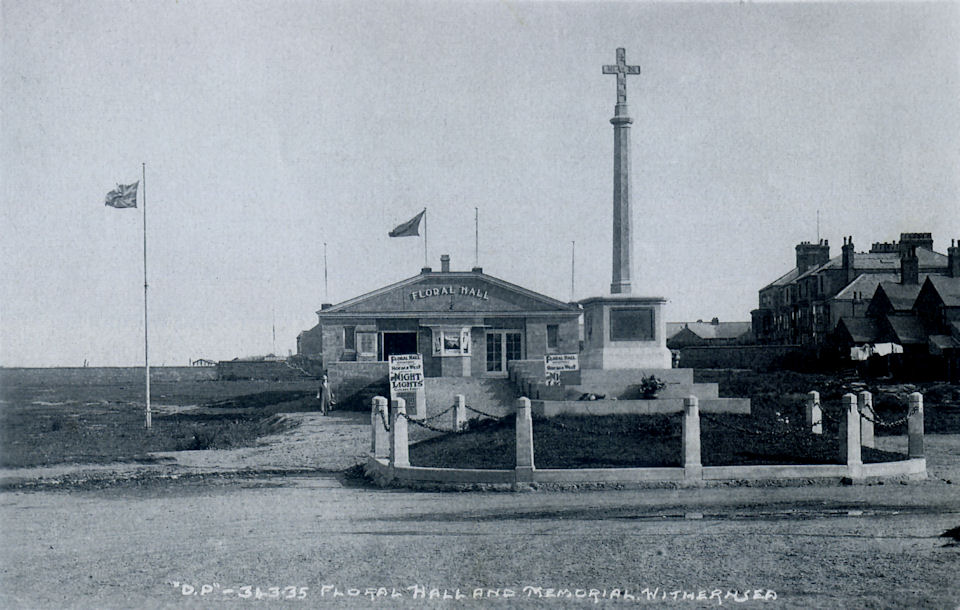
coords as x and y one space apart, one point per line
53 424
785 392
624 441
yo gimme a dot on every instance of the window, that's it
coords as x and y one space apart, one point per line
451 341
349 337
631 324
553 336
367 343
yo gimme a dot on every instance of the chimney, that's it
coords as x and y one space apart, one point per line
715 322
849 267
953 259
444 263
915 240
812 255
909 267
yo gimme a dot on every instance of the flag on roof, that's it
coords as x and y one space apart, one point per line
409 228
124 196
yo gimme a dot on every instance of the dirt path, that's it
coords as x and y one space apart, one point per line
319 443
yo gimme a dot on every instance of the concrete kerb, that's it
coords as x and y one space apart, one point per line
396 469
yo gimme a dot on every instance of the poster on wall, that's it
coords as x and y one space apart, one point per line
556 364
406 372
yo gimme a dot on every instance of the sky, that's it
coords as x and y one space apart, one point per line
276 135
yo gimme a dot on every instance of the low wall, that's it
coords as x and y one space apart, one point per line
552 408
104 375
757 357
383 473
256 369
355 383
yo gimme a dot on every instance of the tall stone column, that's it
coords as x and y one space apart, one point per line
621 201
621 176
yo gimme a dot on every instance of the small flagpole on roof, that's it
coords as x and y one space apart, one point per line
425 264
476 237
573 266
146 348
326 290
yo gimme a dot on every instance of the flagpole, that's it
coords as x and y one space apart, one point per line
146 348
425 263
573 261
326 290
476 237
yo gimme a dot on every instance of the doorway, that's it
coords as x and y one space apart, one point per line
395 343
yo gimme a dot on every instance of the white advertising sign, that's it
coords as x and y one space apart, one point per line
406 373
556 363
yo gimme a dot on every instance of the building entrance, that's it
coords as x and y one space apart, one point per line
398 343
502 347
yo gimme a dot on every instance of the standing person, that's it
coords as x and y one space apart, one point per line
325 395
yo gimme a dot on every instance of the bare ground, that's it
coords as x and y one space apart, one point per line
277 515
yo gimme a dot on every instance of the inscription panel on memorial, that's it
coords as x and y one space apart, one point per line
632 324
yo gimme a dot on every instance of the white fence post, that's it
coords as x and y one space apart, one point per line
915 426
850 436
524 441
399 448
692 466
459 412
814 414
378 420
865 405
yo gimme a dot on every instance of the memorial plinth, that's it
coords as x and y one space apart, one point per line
624 332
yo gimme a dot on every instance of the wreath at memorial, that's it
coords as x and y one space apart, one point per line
651 385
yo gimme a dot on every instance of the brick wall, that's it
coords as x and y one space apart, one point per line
245 369
310 342
536 340
354 383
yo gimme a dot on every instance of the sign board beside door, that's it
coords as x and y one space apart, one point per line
406 372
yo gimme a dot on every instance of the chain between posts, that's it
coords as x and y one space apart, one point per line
771 434
875 419
422 424
478 412
383 419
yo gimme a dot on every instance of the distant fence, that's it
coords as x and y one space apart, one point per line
757 357
104 375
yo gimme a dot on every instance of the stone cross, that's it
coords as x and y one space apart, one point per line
621 69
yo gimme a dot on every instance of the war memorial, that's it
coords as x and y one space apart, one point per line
427 332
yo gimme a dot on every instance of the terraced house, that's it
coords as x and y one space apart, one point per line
805 304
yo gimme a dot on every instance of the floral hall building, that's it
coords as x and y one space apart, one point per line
462 323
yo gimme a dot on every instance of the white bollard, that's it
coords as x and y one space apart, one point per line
915 426
850 436
692 466
524 441
865 406
814 413
378 421
459 412
399 447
